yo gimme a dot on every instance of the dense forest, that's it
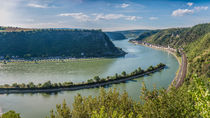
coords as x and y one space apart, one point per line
132 33
115 35
57 43
175 37
191 100
195 42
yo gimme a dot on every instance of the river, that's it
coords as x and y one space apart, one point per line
38 105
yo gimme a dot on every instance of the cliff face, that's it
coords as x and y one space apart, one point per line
51 42
115 35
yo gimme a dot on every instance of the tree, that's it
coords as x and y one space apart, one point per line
15 85
139 70
116 75
124 73
201 96
90 81
47 84
11 114
62 111
150 68
31 85
97 78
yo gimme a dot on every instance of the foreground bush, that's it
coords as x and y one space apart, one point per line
10 114
187 101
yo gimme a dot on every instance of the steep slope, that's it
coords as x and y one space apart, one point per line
194 41
115 35
198 53
132 33
53 42
176 37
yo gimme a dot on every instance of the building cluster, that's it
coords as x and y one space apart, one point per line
154 46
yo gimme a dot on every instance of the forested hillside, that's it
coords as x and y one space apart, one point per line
132 33
175 37
115 35
195 41
54 42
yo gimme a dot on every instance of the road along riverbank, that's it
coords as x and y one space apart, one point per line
181 73
98 83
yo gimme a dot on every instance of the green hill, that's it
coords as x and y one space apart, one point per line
194 40
115 35
57 43
132 33
175 37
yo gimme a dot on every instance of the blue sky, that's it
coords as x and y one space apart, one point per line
108 15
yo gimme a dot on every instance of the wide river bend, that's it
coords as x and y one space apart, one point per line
38 105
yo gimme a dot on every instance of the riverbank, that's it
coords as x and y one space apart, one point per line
100 83
53 60
177 79
168 49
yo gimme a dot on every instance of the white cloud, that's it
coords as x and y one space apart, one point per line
189 4
108 16
153 18
37 5
182 12
124 5
79 16
133 18
115 16
201 8
99 16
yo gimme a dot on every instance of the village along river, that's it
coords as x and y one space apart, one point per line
38 105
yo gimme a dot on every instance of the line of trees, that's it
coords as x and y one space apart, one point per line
192 102
95 80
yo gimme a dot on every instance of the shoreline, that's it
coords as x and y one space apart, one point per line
57 59
169 50
76 87
52 60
